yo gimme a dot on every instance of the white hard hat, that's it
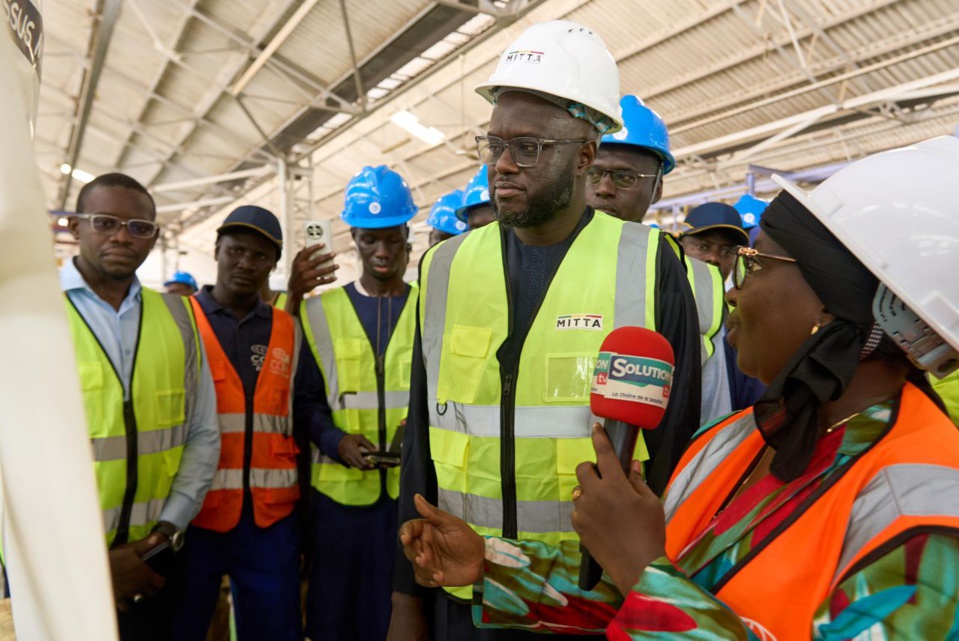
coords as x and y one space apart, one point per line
896 211
562 59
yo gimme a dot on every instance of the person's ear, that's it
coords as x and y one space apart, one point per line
72 223
587 154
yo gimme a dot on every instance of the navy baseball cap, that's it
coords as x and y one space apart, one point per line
715 216
253 218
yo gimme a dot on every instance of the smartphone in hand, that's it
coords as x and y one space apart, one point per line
319 232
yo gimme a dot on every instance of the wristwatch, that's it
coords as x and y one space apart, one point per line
172 532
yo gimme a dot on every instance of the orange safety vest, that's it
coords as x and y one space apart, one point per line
273 473
903 485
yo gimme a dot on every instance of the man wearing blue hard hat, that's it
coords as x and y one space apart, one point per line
627 175
267 387
361 335
181 283
444 219
476 209
714 231
623 181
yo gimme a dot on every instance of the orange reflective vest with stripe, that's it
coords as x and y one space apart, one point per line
272 474
903 485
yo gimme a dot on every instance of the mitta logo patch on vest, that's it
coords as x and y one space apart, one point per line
632 378
534 57
592 322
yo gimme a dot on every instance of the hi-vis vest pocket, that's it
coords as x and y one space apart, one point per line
92 379
349 352
568 377
570 452
170 407
464 363
449 451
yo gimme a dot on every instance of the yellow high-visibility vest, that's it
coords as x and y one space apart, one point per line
356 391
538 416
137 444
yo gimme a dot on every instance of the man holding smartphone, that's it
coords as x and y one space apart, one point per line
264 375
362 337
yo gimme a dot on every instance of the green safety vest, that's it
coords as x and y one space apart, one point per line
706 281
948 390
137 444
606 280
362 399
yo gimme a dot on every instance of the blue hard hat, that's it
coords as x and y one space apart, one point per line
642 128
377 197
476 193
443 214
182 277
750 209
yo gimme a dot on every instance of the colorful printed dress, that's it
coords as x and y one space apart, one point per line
911 592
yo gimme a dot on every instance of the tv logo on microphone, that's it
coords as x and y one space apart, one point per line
632 378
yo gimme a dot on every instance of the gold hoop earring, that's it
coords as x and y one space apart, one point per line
815 328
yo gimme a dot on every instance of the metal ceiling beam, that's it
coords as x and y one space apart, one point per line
757 51
211 180
777 92
281 36
717 145
107 13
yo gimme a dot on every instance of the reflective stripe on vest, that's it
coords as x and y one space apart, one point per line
272 468
905 483
464 314
280 301
163 387
707 285
346 359
706 281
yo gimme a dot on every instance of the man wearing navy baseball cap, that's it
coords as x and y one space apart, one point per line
715 230
266 381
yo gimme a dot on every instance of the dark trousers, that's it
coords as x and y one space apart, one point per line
350 580
453 621
263 566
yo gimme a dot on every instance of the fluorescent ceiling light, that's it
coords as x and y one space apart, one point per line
407 121
78 174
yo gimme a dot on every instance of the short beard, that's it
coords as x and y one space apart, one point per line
542 207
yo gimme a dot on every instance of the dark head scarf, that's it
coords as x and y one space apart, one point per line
823 366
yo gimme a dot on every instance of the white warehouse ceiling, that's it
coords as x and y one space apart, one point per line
213 103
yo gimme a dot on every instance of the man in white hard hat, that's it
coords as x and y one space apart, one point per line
512 316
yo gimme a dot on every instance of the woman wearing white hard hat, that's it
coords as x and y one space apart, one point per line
829 510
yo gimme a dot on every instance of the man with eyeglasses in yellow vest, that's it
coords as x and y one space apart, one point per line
149 400
512 316
361 336
624 180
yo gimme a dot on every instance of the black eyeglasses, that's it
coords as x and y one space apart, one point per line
622 178
109 225
747 262
524 150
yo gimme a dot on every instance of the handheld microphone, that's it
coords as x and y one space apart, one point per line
630 390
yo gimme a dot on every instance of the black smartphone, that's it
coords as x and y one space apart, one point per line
161 559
